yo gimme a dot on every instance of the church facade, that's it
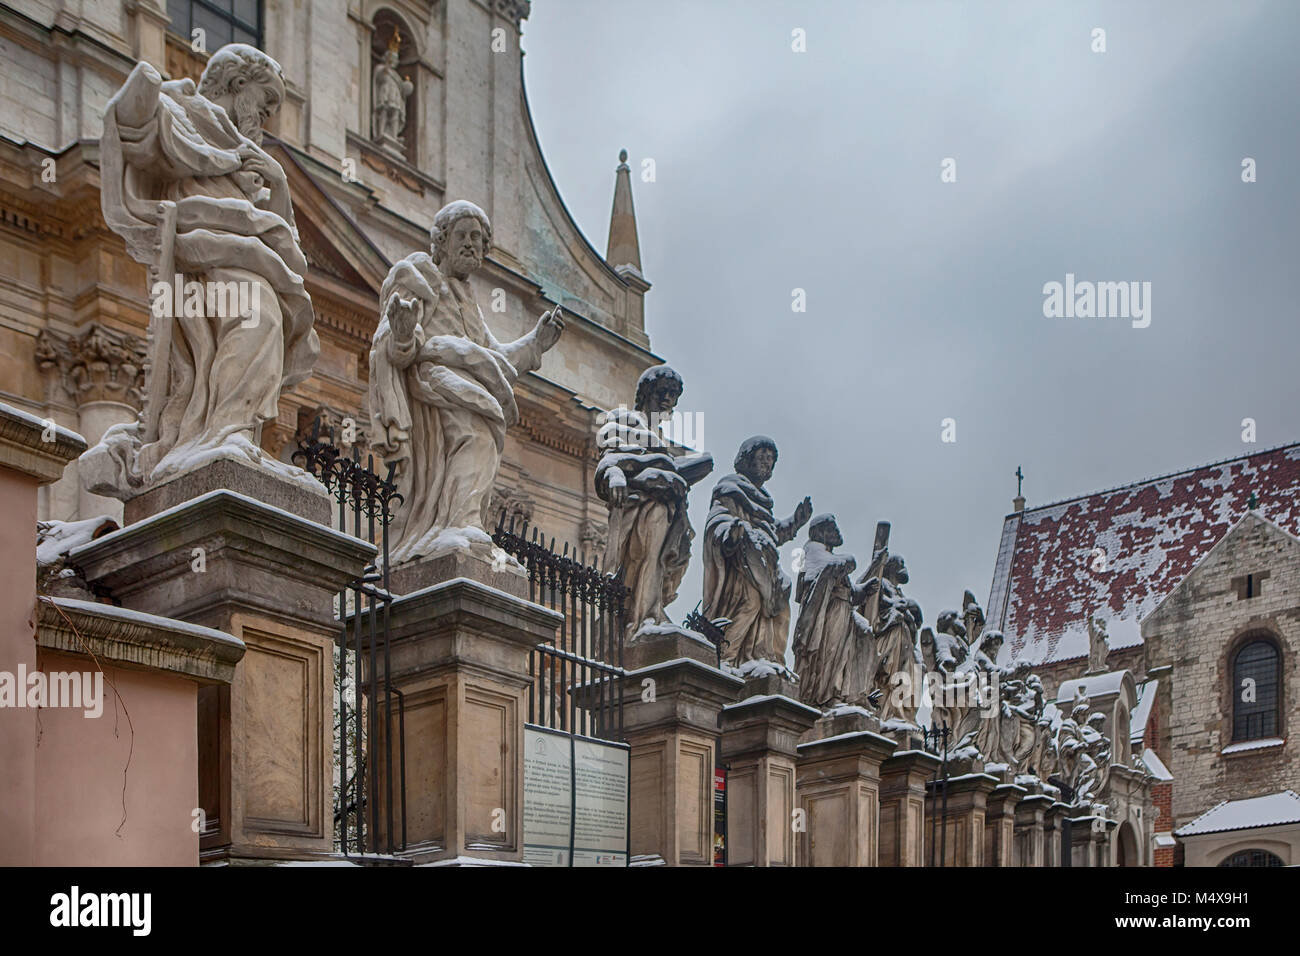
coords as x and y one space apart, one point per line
1196 578
391 110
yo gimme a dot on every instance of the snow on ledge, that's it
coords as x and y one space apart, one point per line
1246 745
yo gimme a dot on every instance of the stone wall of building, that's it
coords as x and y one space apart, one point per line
1196 631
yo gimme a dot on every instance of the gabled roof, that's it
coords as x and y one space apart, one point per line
1048 578
1271 810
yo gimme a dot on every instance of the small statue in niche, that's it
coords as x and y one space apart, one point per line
389 90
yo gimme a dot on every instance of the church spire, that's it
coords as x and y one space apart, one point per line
624 249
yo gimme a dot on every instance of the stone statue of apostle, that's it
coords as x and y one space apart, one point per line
743 580
185 182
646 486
442 388
834 651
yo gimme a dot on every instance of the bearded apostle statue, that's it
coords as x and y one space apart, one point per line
743 579
185 181
645 483
834 650
442 388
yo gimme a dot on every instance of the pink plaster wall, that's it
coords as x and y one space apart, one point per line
79 773
17 646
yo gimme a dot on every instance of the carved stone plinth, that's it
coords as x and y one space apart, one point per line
306 497
1030 831
673 695
1090 840
269 578
504 574
1000 823
1053 829
838 780
962 843
902 807
459 656
760 736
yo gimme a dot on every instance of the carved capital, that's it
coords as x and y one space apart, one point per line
517 505
593 538
347 428
516 11
98 365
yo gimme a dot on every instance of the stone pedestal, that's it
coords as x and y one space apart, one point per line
459 656
673 697
760 735
1053 833
902 807
1090 840
1030 831
962 843
504 574
268 577
839 793
1000 823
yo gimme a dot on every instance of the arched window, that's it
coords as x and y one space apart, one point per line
1253 858
1256 677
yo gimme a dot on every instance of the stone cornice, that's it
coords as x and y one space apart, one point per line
24 448
137 641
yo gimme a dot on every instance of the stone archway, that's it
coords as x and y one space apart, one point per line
1126 846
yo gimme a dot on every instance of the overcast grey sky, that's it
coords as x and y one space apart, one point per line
820 170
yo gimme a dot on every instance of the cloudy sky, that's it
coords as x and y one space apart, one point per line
821 170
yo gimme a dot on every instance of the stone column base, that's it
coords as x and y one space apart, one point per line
673 695
903 831
961 837
459 656
839 793
760 735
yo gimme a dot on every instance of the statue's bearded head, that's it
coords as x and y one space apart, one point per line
825 529
658 389
247 84
896 569
461 237
756 459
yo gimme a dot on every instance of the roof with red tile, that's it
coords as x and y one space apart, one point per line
1118 553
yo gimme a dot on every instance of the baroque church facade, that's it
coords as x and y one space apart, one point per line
391 110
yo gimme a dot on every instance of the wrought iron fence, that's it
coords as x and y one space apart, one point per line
370 757
576 678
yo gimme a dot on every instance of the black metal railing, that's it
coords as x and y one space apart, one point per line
576 678
936 741
371 757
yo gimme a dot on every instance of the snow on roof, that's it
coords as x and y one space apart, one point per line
1094 685
1156 765
1274 809
1118 553
1137 728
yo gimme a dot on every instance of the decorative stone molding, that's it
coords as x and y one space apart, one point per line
593 537
333 419
139 641
517 505
99 364
36 448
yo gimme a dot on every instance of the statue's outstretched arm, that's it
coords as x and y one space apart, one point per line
137 100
